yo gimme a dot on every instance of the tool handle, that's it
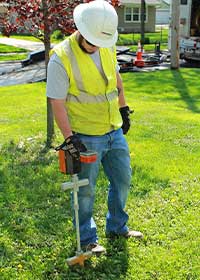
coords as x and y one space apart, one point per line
76 208
74 184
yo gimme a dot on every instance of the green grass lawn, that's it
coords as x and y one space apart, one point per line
12 57
36 234
11 49
132 39
12 53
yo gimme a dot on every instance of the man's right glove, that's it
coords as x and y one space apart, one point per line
125 113
73 145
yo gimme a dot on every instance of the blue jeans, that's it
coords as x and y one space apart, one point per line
113 154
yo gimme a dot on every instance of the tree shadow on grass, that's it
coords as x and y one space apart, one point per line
157 83
183 90
36 217
143 182
33 209
36 214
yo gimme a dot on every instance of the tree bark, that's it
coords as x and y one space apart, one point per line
143 6
50 116
175 22
47 46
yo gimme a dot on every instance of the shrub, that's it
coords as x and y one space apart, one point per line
57 35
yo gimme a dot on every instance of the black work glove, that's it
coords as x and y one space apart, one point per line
125 113
73 145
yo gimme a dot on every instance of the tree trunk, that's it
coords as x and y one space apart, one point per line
50 116
47 46
175 17
143 7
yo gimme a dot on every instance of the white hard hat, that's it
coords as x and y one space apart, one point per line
97 22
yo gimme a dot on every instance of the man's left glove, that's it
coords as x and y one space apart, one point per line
73 145
125 113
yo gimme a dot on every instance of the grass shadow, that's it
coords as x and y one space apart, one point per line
143 182
184 92
173 86
36 218
33 208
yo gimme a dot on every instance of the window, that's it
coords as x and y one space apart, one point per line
132 14
128 14
183 2
136 14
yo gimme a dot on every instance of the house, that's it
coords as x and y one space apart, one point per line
129 13
163 12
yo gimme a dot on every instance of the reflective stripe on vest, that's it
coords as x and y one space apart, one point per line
86 98
74 64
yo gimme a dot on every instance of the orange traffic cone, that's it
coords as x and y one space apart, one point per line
139 61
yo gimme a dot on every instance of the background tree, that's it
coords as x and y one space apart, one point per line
41 18
142 15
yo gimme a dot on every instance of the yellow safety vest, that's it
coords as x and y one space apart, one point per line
92 100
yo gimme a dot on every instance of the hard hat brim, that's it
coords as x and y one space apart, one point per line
82 28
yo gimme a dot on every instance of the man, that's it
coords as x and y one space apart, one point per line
88 102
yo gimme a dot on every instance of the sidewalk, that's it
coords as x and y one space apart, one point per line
12 73
16 75
25 44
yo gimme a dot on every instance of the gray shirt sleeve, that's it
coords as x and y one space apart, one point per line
57 79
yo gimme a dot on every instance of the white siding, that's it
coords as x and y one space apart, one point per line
162 16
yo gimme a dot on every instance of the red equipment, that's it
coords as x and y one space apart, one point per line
70 165
139 61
